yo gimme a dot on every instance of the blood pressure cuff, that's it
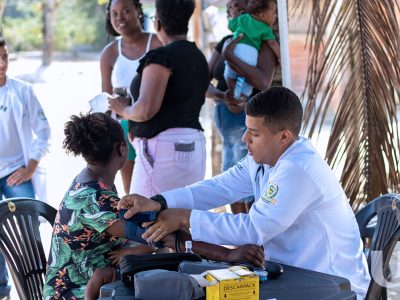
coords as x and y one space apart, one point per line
176 285
134 231
132 264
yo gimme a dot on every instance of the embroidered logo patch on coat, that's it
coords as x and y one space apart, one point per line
42 116
271 192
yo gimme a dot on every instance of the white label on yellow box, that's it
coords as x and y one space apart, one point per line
223 274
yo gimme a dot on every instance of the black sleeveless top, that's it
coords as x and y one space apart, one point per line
185 93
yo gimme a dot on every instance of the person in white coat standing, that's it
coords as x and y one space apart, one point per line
301 215
25 139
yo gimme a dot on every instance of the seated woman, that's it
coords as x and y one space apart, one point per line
86 228
87 234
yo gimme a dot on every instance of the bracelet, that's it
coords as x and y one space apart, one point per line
160 199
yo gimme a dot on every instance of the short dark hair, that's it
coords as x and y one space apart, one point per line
257 6
174 15
3 42
280 108
110 29
92 135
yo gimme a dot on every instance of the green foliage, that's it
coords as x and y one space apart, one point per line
22 25
78 22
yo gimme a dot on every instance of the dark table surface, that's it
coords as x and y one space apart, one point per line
294 283
297 283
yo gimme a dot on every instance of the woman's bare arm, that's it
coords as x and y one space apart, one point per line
152 90
251 253
212 91
107 60
261 76
233 105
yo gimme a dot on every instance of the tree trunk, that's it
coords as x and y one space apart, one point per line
49 9
3 4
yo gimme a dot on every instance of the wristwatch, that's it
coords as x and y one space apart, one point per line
160 199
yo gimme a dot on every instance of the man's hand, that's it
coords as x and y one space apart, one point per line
234 105
167 222
250 253
137 203
23 174
118 104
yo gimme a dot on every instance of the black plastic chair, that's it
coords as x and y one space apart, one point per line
376 290
21 244
383 232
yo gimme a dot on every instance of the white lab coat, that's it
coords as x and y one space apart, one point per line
301 215
33 130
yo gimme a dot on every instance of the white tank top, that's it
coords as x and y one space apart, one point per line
125 69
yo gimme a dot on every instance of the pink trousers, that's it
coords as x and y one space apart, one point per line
174 158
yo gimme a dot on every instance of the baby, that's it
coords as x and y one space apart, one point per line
255 26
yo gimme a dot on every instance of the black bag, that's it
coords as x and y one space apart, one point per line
132 264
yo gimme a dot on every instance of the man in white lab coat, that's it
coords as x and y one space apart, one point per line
25 139
301 214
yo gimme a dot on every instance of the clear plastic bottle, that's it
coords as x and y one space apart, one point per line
237 92
188 247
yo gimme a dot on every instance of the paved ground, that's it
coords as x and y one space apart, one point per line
65 89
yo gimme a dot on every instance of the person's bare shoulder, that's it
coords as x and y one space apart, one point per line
155 42
109 54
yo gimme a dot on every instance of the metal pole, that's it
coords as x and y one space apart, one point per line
284 43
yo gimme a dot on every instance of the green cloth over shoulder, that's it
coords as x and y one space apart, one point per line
254 31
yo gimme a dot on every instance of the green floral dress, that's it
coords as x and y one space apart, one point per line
80 243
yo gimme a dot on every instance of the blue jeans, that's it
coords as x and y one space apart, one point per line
4 286
231 128
23 190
